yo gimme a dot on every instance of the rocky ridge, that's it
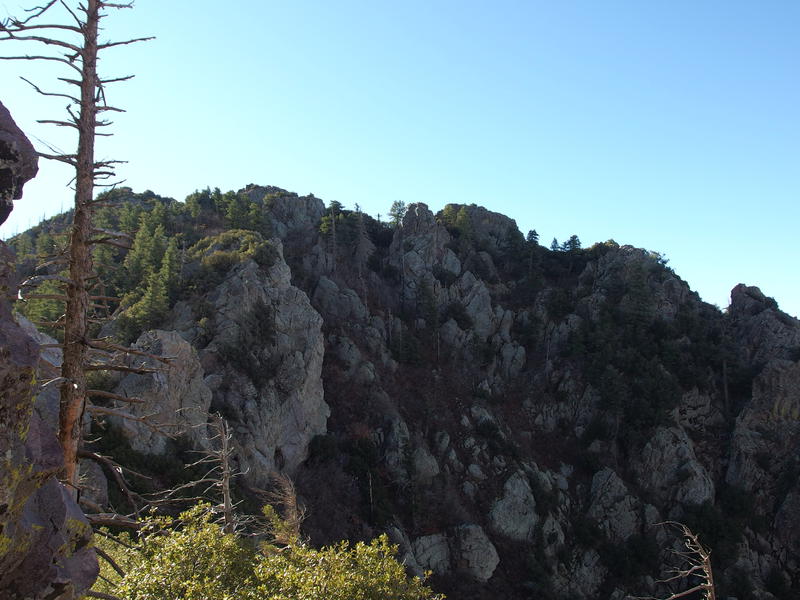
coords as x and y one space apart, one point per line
518 419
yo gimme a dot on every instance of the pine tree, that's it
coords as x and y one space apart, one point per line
396 212
572 244
169 272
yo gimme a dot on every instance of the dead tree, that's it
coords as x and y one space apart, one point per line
215 483
693 571
76 45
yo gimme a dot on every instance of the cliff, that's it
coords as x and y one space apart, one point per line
518 419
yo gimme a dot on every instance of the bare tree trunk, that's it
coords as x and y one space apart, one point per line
73 393
227 474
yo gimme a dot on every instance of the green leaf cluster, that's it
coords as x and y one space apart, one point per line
193 559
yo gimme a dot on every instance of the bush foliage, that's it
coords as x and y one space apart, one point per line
193 559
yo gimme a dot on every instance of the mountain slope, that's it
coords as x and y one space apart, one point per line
517 418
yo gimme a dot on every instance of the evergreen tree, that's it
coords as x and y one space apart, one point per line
129 218
533 237
396 212
235 212
169 272
146 252
554 245
152 308
572 244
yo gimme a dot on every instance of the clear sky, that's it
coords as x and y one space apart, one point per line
667 125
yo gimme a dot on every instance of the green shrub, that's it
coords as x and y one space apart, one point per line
191 558
341 572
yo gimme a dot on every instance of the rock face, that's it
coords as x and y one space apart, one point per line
613 507
175 399
474 553
45 547
465 550
18 162
514 513
518 418
765 331
266 360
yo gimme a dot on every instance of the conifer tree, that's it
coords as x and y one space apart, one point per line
396 212
169 273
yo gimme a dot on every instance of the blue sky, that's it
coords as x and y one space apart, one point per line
672 126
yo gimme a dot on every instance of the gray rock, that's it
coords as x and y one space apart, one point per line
338 305
45 549
762 331
472 552
176 399
432 553
612 506
491 230
291 215
668 468
277 409
584 577
418 246
425 465
514 513
18 162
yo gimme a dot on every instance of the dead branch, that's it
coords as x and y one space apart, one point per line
69 159
36 12
111 233
110 242
114 539
144 419
111 562
37 279
695 563
60 297
121 368
41 39
102 344
113 520
40 57
117 473
43 93
112 396
126 42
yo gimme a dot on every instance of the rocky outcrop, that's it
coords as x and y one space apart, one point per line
291 215
514 513
766 434
465 549
18 162
265 363
517 418
669 470
419 245
473 553
45 549
492 231
764 332
175 399
614 509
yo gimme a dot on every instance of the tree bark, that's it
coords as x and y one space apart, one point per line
76 346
